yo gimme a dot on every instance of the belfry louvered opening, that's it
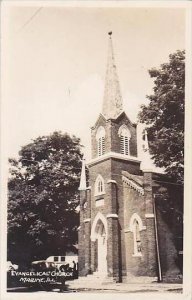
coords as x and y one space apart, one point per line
100 136
124 145
125 135
101 146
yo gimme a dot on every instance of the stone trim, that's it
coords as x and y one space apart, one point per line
99 179
149 216
98 217
99 202
138 218
100 132
86 220
123 126
115 216
88 188
101 116
99 194
130 230
112 155
137 255
133 185
135 178
112 181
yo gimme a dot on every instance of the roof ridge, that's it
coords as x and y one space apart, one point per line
136 178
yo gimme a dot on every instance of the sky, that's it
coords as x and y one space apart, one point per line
54 64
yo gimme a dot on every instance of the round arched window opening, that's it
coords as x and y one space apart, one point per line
125 136
100 137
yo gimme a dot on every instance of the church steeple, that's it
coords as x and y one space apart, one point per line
112 102
113 132
82 186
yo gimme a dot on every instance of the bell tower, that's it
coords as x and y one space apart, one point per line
113 132
114 149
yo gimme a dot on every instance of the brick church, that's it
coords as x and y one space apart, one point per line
127 231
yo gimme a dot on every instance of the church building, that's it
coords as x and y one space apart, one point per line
127 231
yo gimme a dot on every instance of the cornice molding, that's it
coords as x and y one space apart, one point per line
87 220
112 181
133 185
114 216
112 155
148 216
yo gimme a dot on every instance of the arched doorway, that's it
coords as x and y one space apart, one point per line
101 248
99 236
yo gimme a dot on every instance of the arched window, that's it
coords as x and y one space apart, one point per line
125 136
99 186
136 238
135 227
100 137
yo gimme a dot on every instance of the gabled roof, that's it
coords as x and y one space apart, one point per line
101 117
121 115
134 181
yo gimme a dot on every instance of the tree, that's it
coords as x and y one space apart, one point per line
43 197
164 116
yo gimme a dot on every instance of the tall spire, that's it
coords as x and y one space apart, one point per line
147 164
112 102
82 186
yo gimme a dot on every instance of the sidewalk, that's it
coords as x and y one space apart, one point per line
123 287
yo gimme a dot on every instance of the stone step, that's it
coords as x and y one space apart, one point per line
97 275
96 278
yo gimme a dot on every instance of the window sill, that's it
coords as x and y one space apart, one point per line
99 202
137 255
99 195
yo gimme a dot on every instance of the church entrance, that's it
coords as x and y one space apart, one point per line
99 237
101 249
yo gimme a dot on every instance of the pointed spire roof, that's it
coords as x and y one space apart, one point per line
82 186
147 164
112 102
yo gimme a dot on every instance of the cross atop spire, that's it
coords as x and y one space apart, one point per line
112 102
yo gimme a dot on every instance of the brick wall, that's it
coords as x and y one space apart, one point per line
135 203
113 255
112 139
113 203
121 199
81 237
81 251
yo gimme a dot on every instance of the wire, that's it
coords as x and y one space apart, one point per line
30 19
168 182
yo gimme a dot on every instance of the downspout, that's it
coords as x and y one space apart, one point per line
157 242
